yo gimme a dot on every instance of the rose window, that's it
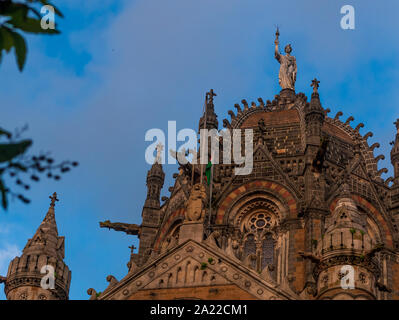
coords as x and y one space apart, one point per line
260 221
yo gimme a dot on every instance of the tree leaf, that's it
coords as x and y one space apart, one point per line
30 25
7 41
20 49
15 8
19 166
11 150
3 192
5 133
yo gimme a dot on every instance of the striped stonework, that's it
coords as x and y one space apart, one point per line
274 187
179 213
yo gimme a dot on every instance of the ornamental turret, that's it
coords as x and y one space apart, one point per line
346 254
314 117
40 273
155 181
209 118
151 213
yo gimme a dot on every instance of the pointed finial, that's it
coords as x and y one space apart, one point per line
277 32
315 85
53 199
132 248
209 96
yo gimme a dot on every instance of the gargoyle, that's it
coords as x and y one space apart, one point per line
132 229
186 167
92 293
310 256
112 281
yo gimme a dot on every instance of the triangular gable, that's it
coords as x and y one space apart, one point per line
176 268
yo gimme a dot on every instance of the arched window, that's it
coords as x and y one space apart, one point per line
250 248
259 242
172 236
267 251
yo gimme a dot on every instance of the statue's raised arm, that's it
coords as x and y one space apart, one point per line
276 51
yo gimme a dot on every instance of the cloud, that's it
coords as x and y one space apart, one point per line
7 253
116 71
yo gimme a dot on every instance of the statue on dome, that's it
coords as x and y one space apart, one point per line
288 68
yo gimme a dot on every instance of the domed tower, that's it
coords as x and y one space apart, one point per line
40 272
346 255
155 180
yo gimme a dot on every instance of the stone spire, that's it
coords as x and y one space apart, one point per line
155 181
209 119
314 116
45 248
395 153
151 213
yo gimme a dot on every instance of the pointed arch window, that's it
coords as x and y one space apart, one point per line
250 248
267 250
250 245
259 243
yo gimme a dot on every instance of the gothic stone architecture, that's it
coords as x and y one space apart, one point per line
314 211
313 214
25 275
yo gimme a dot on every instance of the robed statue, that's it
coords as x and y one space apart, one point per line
288 68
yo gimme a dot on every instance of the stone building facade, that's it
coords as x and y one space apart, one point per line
313 220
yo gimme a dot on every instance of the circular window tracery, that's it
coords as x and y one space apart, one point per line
260 221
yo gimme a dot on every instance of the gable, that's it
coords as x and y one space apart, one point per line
181 268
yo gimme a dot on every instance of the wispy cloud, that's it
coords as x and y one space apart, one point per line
152 62
7 253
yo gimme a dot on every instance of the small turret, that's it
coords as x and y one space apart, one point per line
209 119
42 255
346 241
151 213
314 117
155 181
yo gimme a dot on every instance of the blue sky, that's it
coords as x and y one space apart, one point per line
122 67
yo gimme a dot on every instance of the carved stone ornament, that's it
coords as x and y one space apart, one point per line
196 203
